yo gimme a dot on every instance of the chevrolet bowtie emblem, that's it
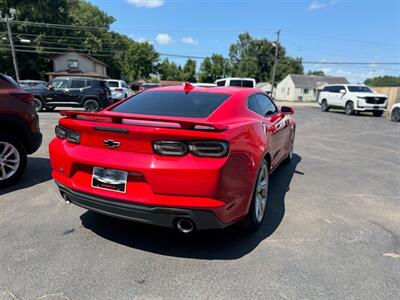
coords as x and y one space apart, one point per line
111 144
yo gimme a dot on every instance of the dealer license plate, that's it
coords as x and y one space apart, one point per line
109 179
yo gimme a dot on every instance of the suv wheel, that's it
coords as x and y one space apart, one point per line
37 104
258 205
13 159
91 105
324 105
377 113
395 116
349 108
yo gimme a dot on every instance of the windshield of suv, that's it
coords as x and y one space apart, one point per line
359 89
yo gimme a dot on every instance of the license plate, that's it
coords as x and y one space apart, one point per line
376 107
109 179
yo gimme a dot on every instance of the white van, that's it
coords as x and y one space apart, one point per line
236 81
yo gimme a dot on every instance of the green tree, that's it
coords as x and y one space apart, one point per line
255 58
140 61
169 70
107 46
213 68
189 71
383 81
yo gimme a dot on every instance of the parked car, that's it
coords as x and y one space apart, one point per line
395 113
26 84
235 81
182 156
352 98
119 89
19 130
90 93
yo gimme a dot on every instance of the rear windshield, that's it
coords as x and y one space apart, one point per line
113 83
173 104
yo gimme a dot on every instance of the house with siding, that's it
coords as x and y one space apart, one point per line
296 87
78 64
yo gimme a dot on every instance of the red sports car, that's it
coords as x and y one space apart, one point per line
184 157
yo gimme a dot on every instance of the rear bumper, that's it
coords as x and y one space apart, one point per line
154 215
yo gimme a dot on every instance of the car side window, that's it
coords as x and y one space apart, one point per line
221 83
267 106
60 84
235 83
253 105
335 89
262 105
247 83
78 84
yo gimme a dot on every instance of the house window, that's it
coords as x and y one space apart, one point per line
73 64
288 91
306 91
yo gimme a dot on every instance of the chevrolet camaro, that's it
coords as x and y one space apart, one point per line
183 157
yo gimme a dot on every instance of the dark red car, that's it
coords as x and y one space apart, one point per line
184 157
19 130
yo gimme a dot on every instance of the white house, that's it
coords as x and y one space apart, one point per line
304 87
78 64
264 86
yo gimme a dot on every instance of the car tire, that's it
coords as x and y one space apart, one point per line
13 158
324 105
50 108
377 113
395 115
290 155
349 108
253 220
91 105
37 104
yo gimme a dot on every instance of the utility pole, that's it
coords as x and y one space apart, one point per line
275 61
7 19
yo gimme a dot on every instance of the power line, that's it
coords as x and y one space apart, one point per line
59 26
289 31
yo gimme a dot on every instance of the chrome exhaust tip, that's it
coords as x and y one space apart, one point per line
185 225
67 201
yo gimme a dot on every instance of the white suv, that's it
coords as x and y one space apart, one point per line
119 89
236 81
352 98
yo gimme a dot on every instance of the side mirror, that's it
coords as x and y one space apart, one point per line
287 110
342 91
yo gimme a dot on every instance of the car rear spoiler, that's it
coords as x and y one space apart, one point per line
160 121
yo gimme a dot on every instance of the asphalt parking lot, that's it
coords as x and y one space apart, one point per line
332 230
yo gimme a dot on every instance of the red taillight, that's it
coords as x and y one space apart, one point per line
118 90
